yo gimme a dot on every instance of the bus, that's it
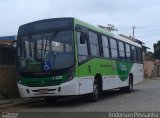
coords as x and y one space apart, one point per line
62 57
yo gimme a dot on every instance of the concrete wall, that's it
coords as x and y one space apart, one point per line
8 86
152 68
148 68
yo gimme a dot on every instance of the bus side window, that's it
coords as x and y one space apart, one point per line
113 46
105 46
121 50
94 46
134 53
139 55
82 48
128 52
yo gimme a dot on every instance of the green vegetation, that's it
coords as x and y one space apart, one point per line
156 53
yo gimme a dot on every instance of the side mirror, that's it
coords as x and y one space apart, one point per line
83 38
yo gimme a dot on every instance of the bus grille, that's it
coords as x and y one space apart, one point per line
43 83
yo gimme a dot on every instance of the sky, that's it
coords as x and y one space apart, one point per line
123 14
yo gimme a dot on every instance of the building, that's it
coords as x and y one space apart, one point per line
152 68
8 79
7 50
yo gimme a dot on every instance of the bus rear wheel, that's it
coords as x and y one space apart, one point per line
129 88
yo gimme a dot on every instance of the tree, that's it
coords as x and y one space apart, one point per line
156 53
155 45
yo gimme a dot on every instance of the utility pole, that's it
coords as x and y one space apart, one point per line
133 31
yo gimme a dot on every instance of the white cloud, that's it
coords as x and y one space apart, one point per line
122 14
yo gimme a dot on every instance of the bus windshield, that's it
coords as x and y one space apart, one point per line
53 49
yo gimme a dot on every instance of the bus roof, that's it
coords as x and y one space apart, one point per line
100 30
87 25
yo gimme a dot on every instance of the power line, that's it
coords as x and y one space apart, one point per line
144 27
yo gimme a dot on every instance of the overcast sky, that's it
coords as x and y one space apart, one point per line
123 14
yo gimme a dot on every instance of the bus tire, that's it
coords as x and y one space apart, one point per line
94 96
129 88
51 100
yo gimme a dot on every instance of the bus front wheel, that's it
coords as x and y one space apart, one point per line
94 96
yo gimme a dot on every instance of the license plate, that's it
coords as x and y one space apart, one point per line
42 91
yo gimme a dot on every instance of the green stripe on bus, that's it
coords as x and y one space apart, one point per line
105 67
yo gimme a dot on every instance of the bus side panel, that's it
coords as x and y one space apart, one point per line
110 82
86 76
137 71
86 84
110 74
124 83
123 70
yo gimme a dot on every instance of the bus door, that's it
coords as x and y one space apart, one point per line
83 63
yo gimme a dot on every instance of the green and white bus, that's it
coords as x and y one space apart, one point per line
67 57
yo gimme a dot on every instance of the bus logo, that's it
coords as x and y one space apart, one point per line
46 65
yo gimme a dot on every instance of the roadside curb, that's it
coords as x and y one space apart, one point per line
157 78
18 101
154 78
5 102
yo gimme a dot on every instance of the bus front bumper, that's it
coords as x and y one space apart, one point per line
65 89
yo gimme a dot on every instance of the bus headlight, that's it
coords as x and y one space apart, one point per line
19 81
70 74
